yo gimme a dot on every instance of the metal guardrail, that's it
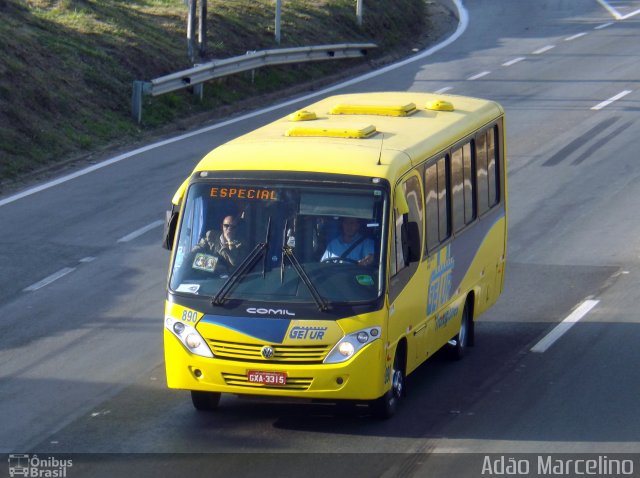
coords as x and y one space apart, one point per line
194 77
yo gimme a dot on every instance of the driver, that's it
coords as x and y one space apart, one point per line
228 245
350 245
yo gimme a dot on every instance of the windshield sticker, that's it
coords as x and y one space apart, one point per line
244 193
205 262
191 288
365 280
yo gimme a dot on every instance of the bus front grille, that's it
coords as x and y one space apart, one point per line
298 354
297 383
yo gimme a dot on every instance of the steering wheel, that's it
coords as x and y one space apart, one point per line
338 260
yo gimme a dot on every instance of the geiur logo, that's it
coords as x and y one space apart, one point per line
311 333
264 311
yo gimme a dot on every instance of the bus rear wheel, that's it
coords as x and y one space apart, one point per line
464 337
205 401
387 405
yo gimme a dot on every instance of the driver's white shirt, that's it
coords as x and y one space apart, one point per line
337 247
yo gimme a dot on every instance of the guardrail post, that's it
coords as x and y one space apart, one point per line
191 30
278 8
202 29
198 90
136 101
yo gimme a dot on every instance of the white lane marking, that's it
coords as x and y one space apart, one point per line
463 23
622 94
478 76
141 231
514 61
564 326
617 15
48 280
632 14
542 50
604 25
87 259
444 90
575 37
612 10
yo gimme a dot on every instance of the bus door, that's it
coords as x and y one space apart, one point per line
407 297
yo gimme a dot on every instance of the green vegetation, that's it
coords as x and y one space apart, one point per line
67 66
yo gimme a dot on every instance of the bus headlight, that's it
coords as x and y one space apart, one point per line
178 328
346 349
189 337
193 341
350 344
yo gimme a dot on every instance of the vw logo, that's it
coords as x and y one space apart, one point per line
267 352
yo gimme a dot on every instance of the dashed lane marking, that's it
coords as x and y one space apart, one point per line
514 61
48 280
564 326
606 103
141 231
542 50
575 37
478 75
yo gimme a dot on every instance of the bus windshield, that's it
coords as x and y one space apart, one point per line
281 242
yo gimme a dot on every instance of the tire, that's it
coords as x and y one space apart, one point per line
387 405
464 337
205 401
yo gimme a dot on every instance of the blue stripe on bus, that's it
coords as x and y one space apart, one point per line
269 330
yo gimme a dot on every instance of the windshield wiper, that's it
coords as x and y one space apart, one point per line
266 243
284 245
287 251
243 268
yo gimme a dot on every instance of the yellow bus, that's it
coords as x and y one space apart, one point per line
328 254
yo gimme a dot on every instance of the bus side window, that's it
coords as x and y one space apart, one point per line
462 187
481 173
487 173
492 167
469 183
413 194
457 197
405 255
436 203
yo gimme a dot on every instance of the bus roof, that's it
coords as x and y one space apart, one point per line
365 134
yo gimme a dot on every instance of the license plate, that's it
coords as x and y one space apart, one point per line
267 378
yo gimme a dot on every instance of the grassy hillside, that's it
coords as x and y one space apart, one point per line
67 66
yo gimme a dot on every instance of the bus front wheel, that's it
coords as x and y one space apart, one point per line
387 405
205 401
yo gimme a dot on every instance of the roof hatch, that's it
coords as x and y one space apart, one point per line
302 115
380 109
440 105
357 131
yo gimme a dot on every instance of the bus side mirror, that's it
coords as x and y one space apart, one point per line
411 246
170 224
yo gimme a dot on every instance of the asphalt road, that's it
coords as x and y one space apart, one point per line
82 277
